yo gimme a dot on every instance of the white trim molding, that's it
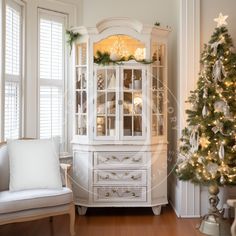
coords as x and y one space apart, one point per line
187 203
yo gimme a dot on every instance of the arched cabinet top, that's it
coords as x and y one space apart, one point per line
132 27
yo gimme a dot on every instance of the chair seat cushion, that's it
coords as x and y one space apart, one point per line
33 199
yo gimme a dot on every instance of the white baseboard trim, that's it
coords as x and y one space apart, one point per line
182 216
173 207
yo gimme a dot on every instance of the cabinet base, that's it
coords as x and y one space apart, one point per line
156 210
82 210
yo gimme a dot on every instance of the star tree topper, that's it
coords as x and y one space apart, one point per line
221 20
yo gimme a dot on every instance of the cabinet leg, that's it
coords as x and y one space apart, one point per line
156 210
82 210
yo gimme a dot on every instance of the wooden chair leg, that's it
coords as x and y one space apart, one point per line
72 220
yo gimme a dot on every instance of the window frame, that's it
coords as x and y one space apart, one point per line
5 77
51 14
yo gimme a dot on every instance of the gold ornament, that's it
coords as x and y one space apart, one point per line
213 189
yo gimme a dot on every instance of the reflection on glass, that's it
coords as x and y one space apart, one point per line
111 79
161 102
128 79
160 125
161 78
128 106
127 126
78 79
154 125
81 124
82 54
154 102
154 78
101 79
111 103
111 128
101 124
84 80
78 102
84 100
137 103
137 126
101 103
137 79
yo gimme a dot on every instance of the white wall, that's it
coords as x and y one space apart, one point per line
210 10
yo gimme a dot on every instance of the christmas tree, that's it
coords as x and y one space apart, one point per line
207 152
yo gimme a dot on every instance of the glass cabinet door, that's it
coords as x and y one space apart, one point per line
158 95
81 101
106 101
81 105
132 99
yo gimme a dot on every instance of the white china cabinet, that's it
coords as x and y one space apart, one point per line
120 116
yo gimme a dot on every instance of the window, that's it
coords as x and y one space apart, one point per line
51 73
13 70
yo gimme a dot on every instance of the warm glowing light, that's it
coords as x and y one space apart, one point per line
221 20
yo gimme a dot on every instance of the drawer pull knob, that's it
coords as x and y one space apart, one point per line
135 177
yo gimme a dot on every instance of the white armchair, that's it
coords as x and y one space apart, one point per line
232 203
27 205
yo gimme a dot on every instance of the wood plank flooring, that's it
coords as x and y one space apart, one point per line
109 222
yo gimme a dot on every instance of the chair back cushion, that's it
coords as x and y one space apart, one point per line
33 164
4 168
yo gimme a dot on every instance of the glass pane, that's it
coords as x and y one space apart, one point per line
154 102
160 78
111 79
82 127
84 99
154 125
78 78
161 51
160 125
137 76
101 124
154 78
160 102
111 103
101 75
82 54
127 126
84 79
101 102
138 103
78 102
111 126
128 79
137 126
128 106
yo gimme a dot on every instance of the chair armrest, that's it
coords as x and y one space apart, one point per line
66 168
231 202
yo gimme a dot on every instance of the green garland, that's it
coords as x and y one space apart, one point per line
103 58
71 37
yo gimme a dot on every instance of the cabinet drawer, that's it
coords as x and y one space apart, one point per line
116 177
115 159
120 194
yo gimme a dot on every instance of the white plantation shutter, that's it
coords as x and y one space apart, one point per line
13 75
51 74
50 111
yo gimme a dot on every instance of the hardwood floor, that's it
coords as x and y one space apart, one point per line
109 222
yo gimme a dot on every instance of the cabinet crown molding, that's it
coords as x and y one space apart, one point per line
121 22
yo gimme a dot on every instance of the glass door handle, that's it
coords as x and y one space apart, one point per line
120 102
